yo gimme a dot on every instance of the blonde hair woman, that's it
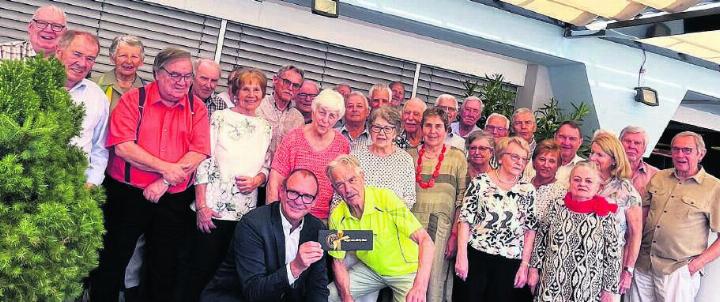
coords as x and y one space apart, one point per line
608 154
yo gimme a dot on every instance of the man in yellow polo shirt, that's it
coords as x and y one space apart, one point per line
402 252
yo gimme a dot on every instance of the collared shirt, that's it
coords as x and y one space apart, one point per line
226 98
682 213
292 243
281 121
563 173
403 142
363 140
16 50
214 103
394 253
456 141
109 85
641 177
167 133
455 127
93 132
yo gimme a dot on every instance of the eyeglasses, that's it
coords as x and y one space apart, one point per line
516 157
387 129
447 109
44 24
288 83
294 195
686 151
480 149
177 76
306 95
492 128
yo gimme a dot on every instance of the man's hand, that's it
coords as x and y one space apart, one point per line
247 184
308 253
693 267
416 294
204 219
521 276
175 173
533 279
155 190
451 247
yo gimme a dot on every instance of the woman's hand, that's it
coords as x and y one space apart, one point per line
606 296
533 279
247 184
204 219
461 267
625 281
521 276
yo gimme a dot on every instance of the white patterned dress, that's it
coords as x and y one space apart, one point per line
239 146
498 219
577 255
395 171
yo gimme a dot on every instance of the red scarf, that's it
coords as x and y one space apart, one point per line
597 205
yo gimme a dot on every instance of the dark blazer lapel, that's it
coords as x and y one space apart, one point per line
308 232
277 230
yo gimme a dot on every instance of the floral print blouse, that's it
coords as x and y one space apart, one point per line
239 147
498 219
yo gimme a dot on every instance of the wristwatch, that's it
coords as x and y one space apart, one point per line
629 269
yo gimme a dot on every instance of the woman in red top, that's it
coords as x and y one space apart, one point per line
312 147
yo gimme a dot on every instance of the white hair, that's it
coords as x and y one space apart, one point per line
699 142
200 61
361 96
522 110
498 115
474 98
413 100
380 86
330 100
51 8
634 130
446 96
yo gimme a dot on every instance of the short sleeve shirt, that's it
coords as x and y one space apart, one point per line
167 133
498 219
682 213
394 253
622 193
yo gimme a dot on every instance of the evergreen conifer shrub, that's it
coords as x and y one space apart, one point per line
51 226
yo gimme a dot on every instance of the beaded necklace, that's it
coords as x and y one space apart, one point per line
418 169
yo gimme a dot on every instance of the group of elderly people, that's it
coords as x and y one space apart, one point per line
456 212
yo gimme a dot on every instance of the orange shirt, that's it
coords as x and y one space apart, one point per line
167 133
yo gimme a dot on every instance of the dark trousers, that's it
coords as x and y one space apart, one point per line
165 225
490 278
205 253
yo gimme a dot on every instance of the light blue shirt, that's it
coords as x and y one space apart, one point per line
94 128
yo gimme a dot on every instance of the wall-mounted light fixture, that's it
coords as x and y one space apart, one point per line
327 8
647 96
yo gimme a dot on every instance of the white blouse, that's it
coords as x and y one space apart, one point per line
239 147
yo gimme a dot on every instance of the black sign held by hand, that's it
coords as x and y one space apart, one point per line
346 240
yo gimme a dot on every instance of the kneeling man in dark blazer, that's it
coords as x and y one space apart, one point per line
274 255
